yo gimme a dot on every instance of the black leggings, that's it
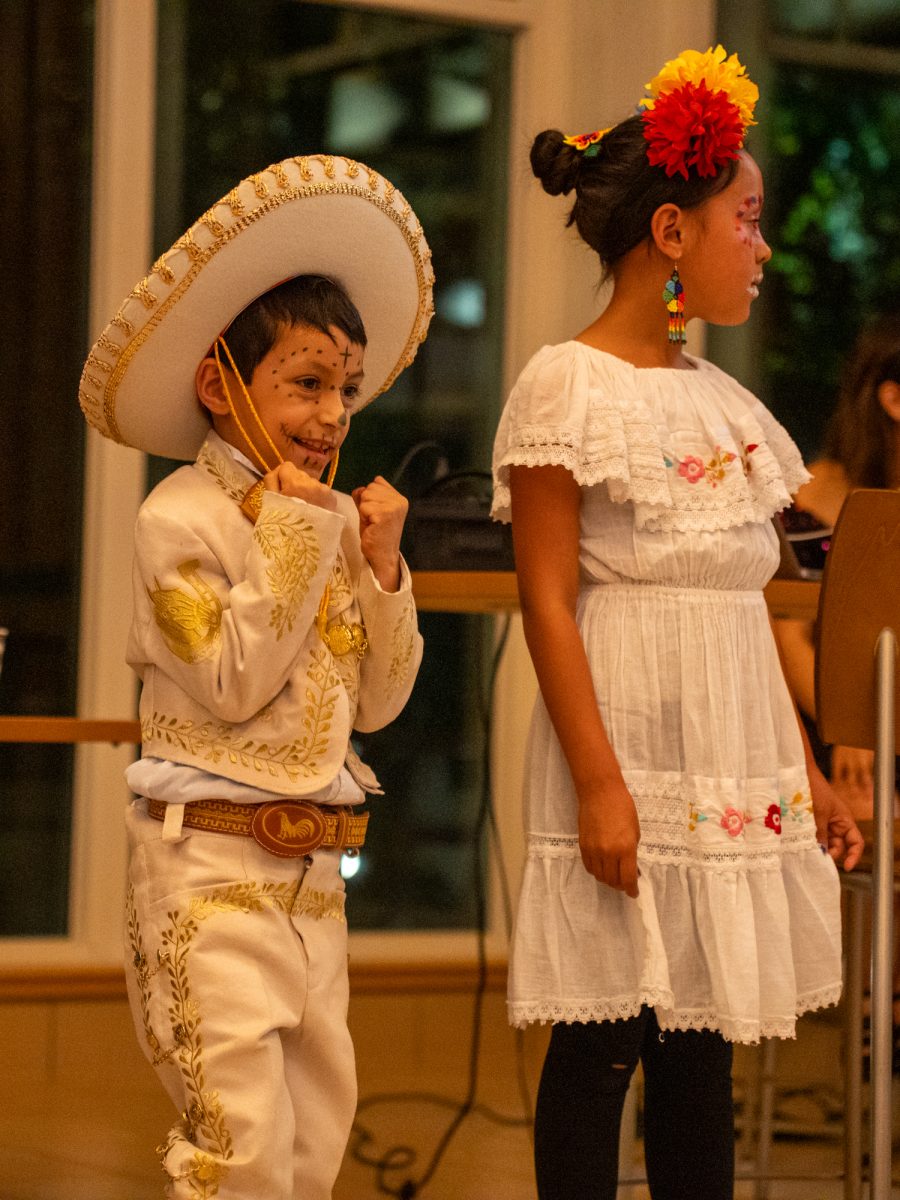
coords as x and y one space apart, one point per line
688 1110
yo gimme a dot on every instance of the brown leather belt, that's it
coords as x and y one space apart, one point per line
288 828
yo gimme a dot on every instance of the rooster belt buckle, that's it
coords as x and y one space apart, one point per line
290 828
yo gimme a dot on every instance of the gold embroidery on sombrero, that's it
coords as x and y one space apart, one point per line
142 292
163 270
121 322
94 361
402 643
90 405
191 625
106 343
243 219
212 223
291 545
144 973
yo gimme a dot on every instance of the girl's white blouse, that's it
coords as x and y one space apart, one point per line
737 926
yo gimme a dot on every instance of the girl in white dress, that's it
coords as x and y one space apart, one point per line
680 891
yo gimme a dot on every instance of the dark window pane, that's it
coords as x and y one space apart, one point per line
818 18
834 225
45 124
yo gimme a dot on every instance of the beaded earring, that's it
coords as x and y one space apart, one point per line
673 298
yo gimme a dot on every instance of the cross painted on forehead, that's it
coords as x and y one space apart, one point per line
345 354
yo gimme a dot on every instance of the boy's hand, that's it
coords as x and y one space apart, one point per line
382 511
291 481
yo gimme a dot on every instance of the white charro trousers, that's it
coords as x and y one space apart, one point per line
237 978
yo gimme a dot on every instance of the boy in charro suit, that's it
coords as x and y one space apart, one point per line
273 616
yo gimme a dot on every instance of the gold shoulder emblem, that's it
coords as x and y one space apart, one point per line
189 623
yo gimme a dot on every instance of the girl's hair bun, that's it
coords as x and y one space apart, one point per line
556 164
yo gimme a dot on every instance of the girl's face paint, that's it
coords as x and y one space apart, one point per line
722 269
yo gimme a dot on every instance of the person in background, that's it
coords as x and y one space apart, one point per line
862 450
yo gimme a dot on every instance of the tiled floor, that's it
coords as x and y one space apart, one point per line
81 1128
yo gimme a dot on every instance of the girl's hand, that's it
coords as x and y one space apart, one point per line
382 511
852 779
835 827
291 481
608 834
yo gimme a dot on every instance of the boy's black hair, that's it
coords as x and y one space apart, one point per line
311 300
617 191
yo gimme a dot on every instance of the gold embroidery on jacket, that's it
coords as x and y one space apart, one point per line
341 593
290 543
321 697
232 484
213 742
189 624
347 666
402 643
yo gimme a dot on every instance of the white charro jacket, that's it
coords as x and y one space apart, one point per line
236 679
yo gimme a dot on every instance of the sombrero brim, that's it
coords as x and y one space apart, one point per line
317 215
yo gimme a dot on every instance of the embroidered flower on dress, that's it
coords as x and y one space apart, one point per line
798 805
733 822
692 469
715 468
745 457
773 818
695 817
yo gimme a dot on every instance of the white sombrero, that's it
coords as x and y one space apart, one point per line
311 215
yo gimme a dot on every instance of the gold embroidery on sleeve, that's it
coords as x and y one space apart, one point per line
402 644
189 624
290 543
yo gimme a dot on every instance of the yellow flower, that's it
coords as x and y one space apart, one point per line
719 72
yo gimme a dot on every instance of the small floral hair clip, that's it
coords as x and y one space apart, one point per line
587 143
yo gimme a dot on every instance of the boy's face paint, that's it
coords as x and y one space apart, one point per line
303 389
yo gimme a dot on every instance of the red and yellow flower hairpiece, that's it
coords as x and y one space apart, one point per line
701 107
587 143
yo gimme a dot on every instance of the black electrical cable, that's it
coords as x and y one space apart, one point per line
401 1157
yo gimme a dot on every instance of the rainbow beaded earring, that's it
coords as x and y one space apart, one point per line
673 298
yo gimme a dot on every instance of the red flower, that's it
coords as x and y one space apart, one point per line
693 127
773 818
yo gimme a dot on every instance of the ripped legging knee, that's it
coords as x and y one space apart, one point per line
688 1111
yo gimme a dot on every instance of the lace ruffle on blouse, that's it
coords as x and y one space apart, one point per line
690 449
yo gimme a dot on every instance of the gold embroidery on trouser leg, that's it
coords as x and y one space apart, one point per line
204 1114
144 973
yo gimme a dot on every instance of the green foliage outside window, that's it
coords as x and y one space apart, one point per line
833 221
